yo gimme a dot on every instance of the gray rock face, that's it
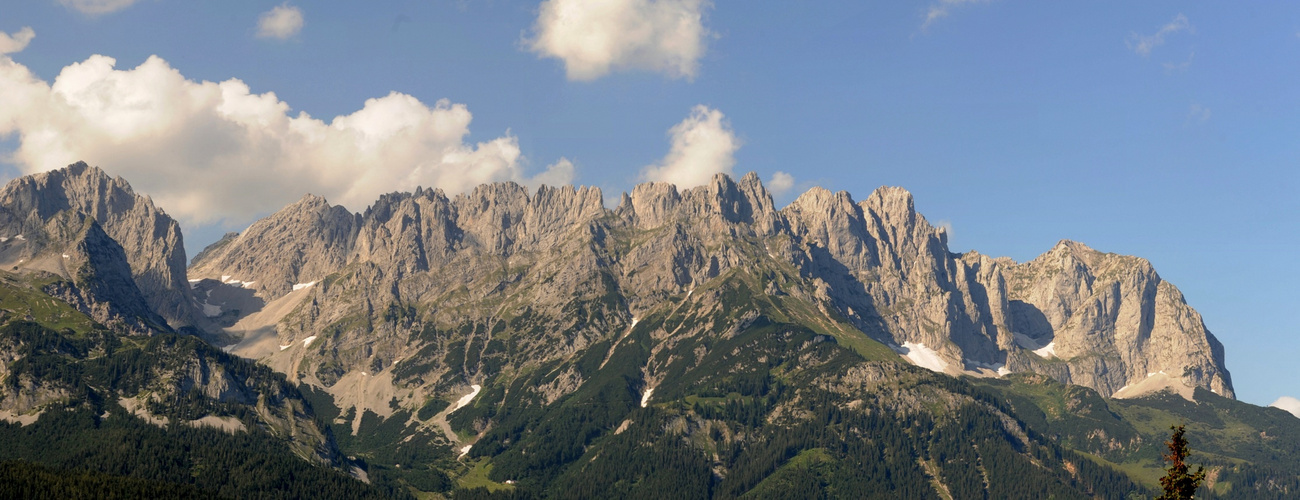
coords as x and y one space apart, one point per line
103 286
559 273
1112 321
150 239
300 243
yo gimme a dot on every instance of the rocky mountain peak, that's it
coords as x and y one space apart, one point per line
151 240
310 201
894 206
299 243
653 203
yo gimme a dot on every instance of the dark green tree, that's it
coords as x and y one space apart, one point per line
1178 483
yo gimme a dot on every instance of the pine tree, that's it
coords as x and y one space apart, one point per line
1178 484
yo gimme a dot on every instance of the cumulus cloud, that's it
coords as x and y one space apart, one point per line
96 7
217 152
781 183
12 44
1288 403
943 8
557 174
596 37
281 22
702 145
1142 45
1198 113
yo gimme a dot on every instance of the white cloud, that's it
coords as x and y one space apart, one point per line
943 8
780 183
557 174
282 22
216 152
945 225
1198 113
1142 45
1289 404
593 37
702 145
96 7
15 43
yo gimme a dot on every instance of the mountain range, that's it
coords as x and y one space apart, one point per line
686 343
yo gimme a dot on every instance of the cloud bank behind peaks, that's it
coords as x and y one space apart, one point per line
281 22
1288 403
594 37
216 152
702 145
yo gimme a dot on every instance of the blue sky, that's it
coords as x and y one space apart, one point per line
1162 129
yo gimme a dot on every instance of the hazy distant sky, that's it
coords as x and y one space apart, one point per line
1163 129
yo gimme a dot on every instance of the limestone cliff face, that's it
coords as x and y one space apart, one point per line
435 291
1111 322
301 243
149 238
102 285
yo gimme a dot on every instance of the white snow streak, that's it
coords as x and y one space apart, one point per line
210 310
924 357
645 398
307 341
1047 351
301 286
465 400
464 451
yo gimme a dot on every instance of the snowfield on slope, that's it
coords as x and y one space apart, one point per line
466 399
923 356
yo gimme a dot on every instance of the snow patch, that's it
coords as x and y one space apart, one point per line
4 239
66 256
466 399
307 341
464 451
226 279
1047 351
999 368
283 347
645 398
923 356
210 310
20 238
301 286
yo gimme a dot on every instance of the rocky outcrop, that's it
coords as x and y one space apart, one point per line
149 238
103 286
301 243
1111 322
